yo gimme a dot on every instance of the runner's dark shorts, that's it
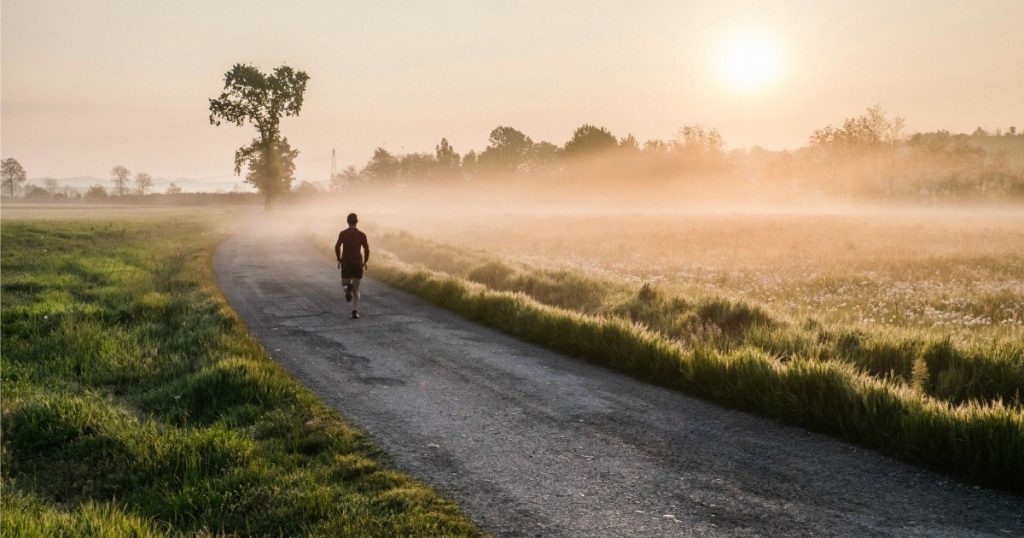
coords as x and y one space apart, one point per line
351 270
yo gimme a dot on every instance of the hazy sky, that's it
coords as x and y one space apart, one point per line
90 84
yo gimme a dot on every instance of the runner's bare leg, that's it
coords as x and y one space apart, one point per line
355 292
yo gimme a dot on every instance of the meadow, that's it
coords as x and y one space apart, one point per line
946 272
901 331
136 403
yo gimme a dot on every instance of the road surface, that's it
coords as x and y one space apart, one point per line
533 443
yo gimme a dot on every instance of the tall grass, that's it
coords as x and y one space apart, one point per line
927 402
955 273
136 403
984 371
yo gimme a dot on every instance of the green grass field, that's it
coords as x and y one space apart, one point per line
136 403
949 399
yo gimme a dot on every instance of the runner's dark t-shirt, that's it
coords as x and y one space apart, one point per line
347 248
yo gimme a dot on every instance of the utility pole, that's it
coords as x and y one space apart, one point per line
334 164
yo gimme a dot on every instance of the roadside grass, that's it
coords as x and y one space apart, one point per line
950 407
956 273
136 403
982 371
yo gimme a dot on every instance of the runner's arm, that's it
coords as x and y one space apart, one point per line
366 248
337 249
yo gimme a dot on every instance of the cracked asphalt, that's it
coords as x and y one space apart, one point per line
533 443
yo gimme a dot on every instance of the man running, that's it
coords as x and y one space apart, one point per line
351 261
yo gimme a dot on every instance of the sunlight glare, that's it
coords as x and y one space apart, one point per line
750 63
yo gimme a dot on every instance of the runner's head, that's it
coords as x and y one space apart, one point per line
352 219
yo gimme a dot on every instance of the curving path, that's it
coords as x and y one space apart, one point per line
533 443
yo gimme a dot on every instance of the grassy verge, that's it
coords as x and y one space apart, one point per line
136 403
928 402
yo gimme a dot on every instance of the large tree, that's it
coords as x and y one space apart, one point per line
251 96
119 175
271 166
13 174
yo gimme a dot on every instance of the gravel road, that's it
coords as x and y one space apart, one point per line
533 443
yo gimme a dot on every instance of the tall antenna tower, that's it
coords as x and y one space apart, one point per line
334 164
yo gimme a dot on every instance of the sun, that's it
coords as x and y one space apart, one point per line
750 63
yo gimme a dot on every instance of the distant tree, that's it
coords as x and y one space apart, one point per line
979 132
348 177
629 143
945 164
70 192
448 161
119 175
507 151
309 188
96 192
946 150
173 188
35 192
656 147
383 166
52 187
469 163
143 182
1012 131
697 142
893 134
543 156
417 165
863 147
13 174
445 154
589 139
252 96
873 130
861 155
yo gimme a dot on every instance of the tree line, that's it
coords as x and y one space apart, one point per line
511 152
868 154
123 184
